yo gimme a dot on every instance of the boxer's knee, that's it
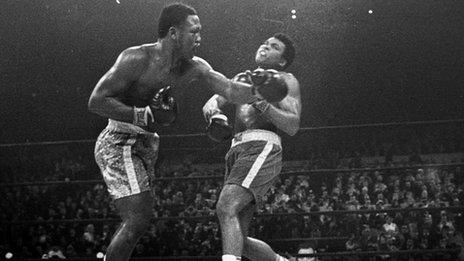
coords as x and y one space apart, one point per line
232 200
135 227
142 222
247 248
136 212
226 209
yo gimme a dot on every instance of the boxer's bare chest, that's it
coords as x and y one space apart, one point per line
246 117
151 81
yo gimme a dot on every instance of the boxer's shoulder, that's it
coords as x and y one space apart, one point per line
135 58
201 61
149 50
290 79
287 75
139 51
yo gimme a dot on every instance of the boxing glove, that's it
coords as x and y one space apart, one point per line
161 110
269 84
219 128
164 107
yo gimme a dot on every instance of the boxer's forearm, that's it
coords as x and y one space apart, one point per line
112 108
286 115
287 122
234 92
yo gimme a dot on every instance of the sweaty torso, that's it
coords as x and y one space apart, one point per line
155 76
246 117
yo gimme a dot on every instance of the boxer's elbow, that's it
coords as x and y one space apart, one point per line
94 104
91 105
292 130
292 127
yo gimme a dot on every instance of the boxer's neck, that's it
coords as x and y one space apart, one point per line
168 54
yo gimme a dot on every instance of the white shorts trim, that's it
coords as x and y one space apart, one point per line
129 166
257 164
125 127
255 135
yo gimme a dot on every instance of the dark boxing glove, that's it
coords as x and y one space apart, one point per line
219 128
269 84
162 110
164 107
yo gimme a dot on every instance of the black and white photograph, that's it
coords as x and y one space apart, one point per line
232 130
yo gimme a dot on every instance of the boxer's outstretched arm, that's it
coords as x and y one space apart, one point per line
104 98
233 91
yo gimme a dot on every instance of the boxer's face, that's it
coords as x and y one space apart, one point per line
269 54
189 37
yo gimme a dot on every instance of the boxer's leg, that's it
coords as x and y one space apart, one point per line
232 200
136 212
255 249
124 161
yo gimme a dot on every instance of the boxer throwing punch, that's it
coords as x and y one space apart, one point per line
136 95
255 158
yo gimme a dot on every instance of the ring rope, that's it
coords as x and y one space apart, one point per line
393 253
262 215
370 253
286 173
305 239
321 254
349 126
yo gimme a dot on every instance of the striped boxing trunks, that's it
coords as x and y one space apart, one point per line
126 155
254 161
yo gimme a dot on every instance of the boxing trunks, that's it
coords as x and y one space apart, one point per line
126 155
254 161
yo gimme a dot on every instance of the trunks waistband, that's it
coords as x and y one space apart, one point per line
255 135
125 127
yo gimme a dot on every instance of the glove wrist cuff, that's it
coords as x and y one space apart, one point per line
219 116
261 106
141 116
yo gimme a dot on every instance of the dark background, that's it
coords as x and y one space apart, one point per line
403 62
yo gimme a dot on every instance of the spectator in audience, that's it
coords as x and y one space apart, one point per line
422 187
306 248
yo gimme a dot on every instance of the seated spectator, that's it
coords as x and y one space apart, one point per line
306 248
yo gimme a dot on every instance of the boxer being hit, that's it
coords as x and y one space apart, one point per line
254 160
137 97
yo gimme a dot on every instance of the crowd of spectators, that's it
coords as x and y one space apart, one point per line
94 218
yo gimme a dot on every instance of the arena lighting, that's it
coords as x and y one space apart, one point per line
8 255
293 11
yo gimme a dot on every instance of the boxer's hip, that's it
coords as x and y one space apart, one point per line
256 135
126 155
